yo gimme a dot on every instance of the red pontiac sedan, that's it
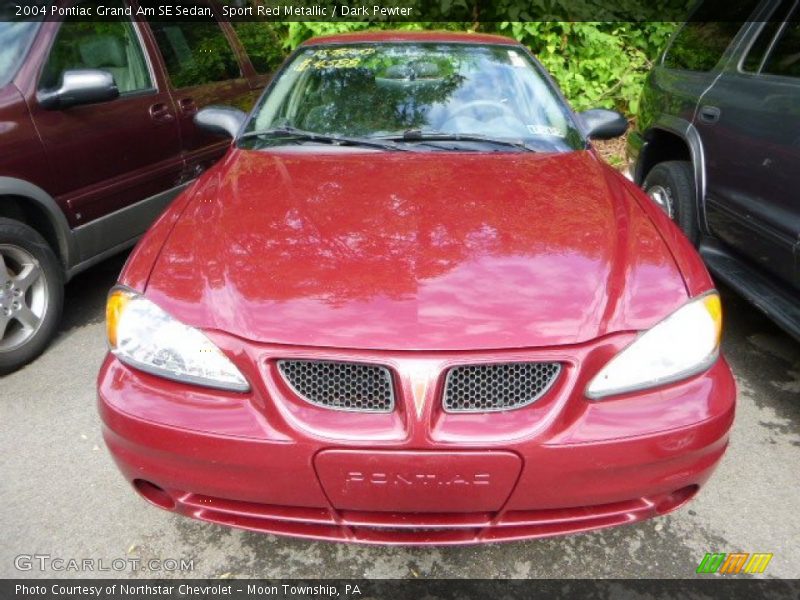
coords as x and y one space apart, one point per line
412 305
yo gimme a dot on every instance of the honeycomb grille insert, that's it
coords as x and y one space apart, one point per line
486 388
340 385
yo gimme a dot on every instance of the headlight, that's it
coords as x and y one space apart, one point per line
143 336
681 345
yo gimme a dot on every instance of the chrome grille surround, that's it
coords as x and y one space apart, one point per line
497 386
338 385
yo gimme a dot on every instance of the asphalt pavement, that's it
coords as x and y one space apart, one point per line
62 496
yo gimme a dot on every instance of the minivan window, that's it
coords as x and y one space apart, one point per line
112 46
701 42
784 59
195 53
14 39
262 44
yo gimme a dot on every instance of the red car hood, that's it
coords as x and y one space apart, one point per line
415 251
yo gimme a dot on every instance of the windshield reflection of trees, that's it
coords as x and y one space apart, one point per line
373 90
386 94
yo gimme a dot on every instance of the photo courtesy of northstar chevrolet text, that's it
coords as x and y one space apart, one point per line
345 295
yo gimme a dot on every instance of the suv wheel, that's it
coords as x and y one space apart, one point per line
671 186
31 294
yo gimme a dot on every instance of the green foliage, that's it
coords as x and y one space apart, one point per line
600 64
263 42
595 64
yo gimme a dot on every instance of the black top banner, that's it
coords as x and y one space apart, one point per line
391 11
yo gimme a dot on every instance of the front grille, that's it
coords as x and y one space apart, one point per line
340 385
483 388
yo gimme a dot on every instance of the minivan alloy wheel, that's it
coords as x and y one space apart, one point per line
23 296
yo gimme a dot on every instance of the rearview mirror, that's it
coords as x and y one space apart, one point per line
80 86
602 124
220 120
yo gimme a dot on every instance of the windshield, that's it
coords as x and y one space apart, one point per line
14 39
391 89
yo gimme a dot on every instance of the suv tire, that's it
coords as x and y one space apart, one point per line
31 294
671 186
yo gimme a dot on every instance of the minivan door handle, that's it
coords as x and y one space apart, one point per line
709 114
160 113
187 106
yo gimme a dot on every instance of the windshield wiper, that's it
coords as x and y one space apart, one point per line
325 138
417 135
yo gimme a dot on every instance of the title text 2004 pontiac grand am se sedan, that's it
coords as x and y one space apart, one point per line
412 305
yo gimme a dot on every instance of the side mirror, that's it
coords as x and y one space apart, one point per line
80 86
602 124
220 120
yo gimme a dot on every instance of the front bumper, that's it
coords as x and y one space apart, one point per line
269 462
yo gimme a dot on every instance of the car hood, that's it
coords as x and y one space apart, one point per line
415 251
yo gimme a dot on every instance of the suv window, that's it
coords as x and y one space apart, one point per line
757 51
111 46
195 53
752 62
701 42
784 59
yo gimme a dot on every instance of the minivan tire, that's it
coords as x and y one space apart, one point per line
671 186
30 306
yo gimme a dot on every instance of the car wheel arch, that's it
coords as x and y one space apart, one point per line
674 131
30 204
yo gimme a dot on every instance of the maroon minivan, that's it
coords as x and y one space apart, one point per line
96 138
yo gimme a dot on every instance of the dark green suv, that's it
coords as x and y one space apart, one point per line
717 146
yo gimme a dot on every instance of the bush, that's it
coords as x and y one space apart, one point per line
595 64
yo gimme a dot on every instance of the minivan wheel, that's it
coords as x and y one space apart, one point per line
670 186
31 294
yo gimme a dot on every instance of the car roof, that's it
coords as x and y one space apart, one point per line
411 36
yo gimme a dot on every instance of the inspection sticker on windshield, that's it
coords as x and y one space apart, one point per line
544 130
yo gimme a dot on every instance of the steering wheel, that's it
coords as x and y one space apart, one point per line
501 109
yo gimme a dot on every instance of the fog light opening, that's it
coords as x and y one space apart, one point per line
676 499
152 493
